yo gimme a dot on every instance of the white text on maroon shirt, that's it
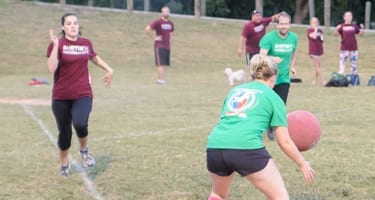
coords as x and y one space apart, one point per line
75 50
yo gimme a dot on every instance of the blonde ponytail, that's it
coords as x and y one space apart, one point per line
262 67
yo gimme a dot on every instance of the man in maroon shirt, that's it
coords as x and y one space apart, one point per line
348 48
252 32
163 28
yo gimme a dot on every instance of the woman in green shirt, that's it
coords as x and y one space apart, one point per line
235 143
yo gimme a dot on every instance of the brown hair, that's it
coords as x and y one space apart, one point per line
262 67
63 21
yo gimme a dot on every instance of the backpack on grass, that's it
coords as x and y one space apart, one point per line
353 79
371 82
338 80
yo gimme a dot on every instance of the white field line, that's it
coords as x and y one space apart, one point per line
146 133
88 183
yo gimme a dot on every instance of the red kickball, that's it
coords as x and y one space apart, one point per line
304 129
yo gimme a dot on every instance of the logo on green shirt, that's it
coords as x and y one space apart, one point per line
240 101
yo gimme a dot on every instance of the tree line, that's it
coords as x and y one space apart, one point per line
241 9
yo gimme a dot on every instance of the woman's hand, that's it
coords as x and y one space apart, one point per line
307 172
108 79
53 37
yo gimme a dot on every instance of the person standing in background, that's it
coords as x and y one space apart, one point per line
251 34
281 46
163 28
348 47
315 40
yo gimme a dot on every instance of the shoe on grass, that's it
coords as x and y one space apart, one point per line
88 159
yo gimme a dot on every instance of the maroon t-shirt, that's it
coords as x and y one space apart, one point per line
71 78
163 28
253 33
315 45
347 33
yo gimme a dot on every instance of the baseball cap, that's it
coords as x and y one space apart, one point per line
256 12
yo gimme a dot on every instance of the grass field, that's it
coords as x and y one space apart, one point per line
149 140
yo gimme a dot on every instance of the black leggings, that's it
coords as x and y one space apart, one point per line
282 90
68 111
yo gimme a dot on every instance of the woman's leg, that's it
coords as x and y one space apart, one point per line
220 186
80 113
318 70
353 61
61 111
269 182
344 54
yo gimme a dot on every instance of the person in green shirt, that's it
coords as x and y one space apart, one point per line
235 143
281 45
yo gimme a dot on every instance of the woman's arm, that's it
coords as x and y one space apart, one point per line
52 60
100 63
289 148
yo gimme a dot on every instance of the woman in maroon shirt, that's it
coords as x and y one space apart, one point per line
315 36
348 48
68 58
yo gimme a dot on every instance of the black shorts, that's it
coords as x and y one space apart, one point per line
248 58
223 162
162 56
282 90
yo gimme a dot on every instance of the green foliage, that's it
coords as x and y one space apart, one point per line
77 2
241 9
217 8
174 6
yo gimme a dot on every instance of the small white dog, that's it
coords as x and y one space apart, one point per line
234 76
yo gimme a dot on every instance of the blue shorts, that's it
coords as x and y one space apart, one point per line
223 162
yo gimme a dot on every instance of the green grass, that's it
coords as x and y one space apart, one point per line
149 140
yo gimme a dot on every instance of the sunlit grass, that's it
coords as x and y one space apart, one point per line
149 140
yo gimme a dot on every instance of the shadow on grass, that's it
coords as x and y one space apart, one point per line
102 163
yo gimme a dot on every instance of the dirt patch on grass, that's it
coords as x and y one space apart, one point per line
37 102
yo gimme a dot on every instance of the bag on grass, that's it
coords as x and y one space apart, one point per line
371 82
353 79
338 80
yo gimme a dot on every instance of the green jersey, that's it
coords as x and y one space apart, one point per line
248 111
283 48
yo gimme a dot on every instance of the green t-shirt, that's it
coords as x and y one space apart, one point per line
283 48
248 111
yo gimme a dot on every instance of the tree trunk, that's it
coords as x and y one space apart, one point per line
203 7
259 5
129 5
327 13
302 8
311 8
197 9
62 2
146 6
